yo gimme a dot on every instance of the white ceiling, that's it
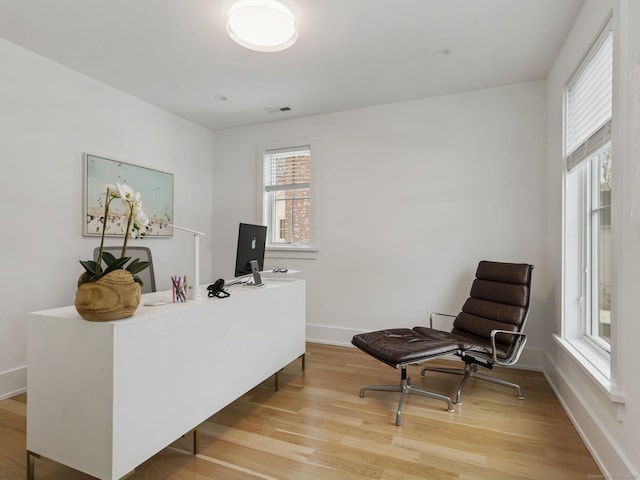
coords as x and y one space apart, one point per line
350 53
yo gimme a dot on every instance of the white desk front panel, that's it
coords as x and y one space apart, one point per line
105 397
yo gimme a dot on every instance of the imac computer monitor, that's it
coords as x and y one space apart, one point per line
251 241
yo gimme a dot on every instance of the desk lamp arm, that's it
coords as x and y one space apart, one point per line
196 257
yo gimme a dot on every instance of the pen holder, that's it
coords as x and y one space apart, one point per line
178 289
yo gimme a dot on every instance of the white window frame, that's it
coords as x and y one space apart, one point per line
578 251
594 215
289 251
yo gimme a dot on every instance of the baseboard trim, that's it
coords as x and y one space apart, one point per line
13 382
330 335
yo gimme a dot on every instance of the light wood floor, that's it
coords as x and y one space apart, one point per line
317 427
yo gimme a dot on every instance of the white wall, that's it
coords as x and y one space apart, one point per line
609 428
411 196
49 116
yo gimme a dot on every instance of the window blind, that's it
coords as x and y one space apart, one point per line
287 169
589 102
589 146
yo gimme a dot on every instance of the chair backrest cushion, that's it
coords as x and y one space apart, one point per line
499 300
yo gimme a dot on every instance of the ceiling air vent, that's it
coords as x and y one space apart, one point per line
278 109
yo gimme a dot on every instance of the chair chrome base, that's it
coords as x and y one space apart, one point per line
471 370
406 388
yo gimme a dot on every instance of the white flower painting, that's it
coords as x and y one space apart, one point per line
154 186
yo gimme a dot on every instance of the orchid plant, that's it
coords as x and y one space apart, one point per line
136 223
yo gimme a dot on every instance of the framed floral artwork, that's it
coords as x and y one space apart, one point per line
155 188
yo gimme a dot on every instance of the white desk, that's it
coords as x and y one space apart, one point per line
106 396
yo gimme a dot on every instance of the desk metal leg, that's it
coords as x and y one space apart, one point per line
277 380
31 473
277 374
31 456
196 441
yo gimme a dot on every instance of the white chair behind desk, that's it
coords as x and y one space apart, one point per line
144 254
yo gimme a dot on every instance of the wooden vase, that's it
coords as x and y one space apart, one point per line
113 297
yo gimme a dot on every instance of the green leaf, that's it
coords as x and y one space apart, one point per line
116 264
108 258
90 266
136 266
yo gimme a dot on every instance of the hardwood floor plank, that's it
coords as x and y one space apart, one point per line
256 441
316 427
445 453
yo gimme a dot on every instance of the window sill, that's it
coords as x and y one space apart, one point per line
596 365
297 252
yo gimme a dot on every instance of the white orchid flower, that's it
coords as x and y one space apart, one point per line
127 194
140 221
112 190
141 217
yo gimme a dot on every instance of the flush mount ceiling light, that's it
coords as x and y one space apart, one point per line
262 25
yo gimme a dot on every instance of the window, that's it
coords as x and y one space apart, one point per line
598 232
287 197
587 292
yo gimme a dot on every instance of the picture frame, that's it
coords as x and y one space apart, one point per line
156 193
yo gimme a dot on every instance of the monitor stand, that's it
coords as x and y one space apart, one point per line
255 271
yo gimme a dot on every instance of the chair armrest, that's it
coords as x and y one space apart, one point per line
436 314
515 355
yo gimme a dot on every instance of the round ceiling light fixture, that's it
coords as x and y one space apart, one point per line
262 25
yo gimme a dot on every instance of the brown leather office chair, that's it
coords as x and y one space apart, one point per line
487 332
